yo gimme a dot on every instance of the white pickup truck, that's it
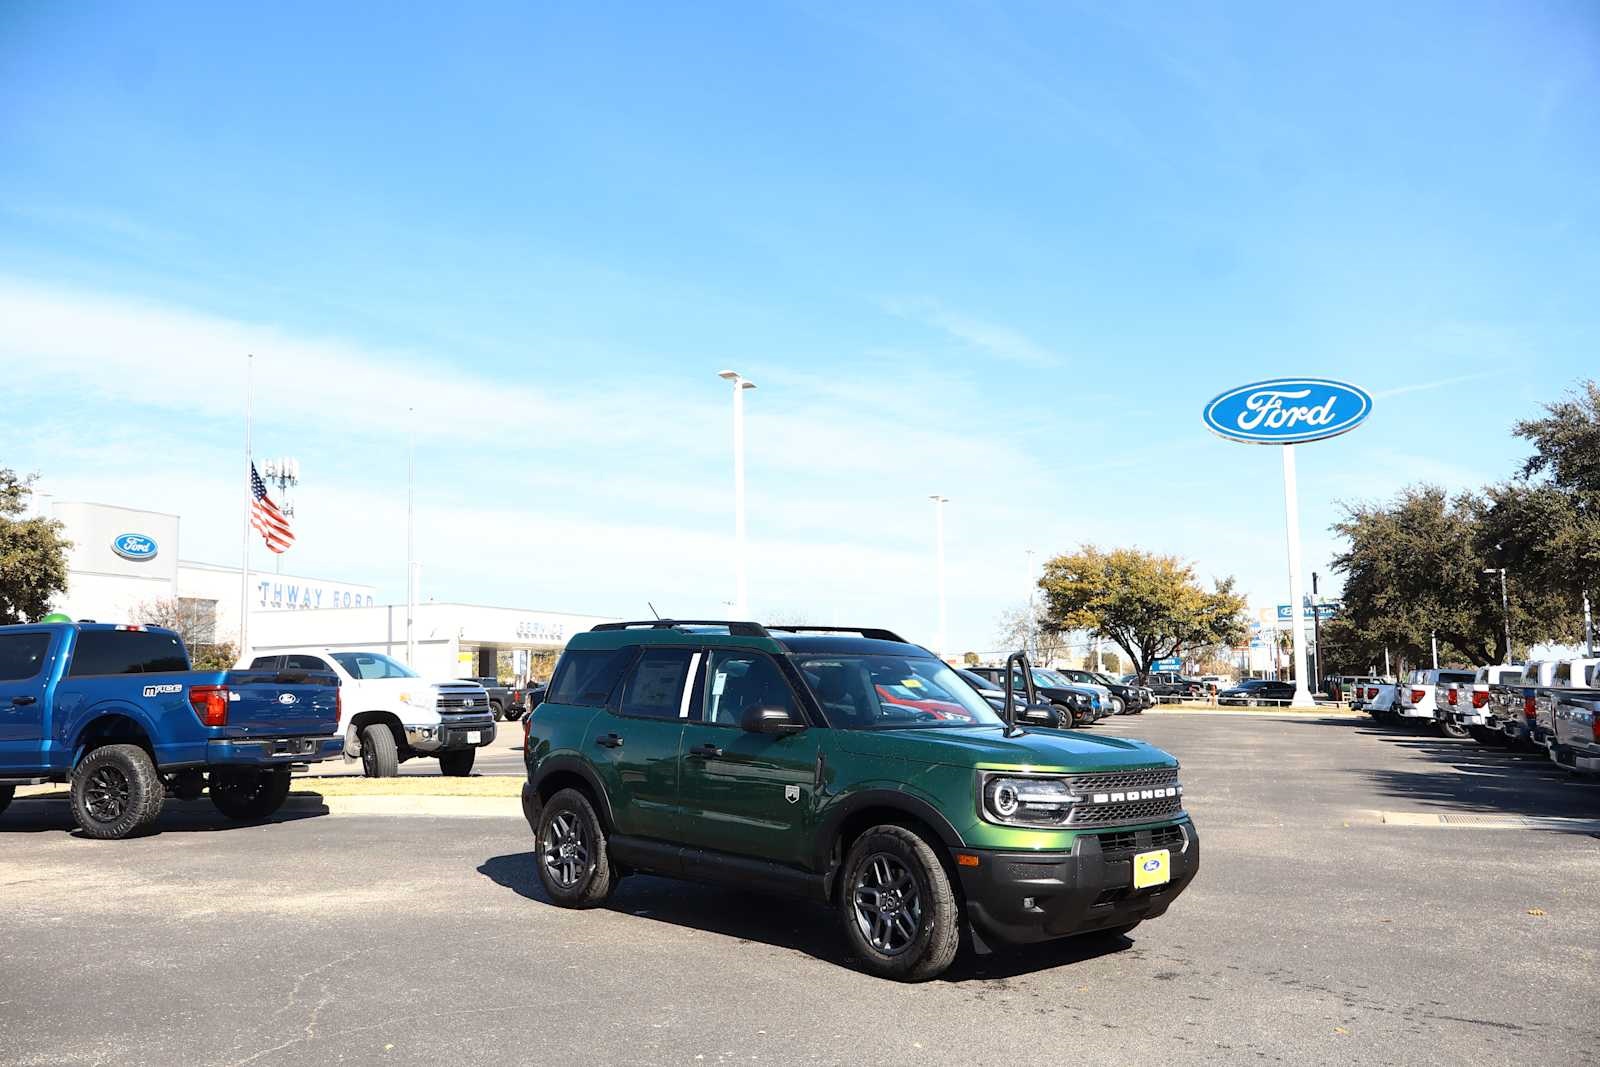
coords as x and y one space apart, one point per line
1466 706
388 714
1419 695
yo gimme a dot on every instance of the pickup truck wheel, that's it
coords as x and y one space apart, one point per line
497 710
116 792
246 795
1452 729
6 793
378 756
574 863
457 764
899 911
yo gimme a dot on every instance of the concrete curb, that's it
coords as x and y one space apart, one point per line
1278 713
1479 821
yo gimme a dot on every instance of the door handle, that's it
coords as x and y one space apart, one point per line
706 751
23 700
609 740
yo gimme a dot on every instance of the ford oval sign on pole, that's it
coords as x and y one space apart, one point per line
136 547
1287 412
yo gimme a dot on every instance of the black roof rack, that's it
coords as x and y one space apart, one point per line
735 629
874 632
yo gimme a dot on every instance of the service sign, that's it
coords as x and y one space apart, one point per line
1288 411
136 547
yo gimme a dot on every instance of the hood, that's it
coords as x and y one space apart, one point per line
987 747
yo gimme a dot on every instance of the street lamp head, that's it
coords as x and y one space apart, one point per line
937 499
728 374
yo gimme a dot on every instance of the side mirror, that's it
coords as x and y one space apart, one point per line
1046 715
769 719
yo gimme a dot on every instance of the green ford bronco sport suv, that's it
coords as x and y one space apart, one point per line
851 768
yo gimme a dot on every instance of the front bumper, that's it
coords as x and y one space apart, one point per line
1022 897
451 736
271 751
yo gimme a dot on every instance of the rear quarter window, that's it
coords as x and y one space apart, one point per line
586 677
100 652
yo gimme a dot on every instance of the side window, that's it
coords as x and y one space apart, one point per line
100 652
655 687
741 680
585 678
304 663
264 663
21 656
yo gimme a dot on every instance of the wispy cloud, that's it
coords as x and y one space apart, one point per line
1420 387
994 339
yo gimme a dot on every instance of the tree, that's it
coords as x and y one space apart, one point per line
1021 630
1152 606
1547 524
971 659
1415 568
195 622
33 554
1113 663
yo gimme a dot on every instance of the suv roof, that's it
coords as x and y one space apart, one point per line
863 640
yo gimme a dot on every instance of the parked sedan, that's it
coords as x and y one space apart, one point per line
1257 691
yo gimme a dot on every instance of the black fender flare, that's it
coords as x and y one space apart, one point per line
893 799
560 764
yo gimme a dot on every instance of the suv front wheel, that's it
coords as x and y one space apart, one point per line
899 910
574 864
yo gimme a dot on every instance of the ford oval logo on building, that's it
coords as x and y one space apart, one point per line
136 547
1287 411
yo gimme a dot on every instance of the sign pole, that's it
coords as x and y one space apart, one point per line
1291 512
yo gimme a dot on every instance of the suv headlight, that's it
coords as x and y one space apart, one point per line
1043 803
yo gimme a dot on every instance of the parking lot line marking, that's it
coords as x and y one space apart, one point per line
1483 821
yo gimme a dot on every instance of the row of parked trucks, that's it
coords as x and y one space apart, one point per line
1551 705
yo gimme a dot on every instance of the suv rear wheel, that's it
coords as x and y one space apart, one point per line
898 908
574 864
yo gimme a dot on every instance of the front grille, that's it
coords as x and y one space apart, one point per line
1121 844
1125 812
1123 797
460 704
1121 781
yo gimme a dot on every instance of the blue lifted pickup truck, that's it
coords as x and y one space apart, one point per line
116 711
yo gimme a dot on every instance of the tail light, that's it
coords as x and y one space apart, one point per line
1480 700
1594 727
1417 695
210 704
1453 695
1529 708
338 703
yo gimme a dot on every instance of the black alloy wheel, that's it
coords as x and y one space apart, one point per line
565 852
106 794
887 904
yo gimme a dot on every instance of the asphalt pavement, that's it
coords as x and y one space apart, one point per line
1314 933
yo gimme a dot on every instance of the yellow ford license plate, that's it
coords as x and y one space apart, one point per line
1152 868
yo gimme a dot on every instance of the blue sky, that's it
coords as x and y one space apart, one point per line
1001 252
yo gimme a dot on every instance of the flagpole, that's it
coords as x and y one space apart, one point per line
411 539
244 564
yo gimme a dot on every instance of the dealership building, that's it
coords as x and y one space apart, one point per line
125 564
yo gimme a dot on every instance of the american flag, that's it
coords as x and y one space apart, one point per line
272 524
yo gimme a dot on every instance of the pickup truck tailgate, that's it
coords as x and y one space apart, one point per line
262 703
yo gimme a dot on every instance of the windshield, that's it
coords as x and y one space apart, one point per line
890 692
370 665
1101 679
1051 679
981 682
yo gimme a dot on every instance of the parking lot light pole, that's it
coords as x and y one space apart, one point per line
1505 608
938 533
741 589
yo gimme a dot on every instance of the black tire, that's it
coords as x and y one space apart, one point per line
1119 706
574 863
899 910
248 794
457 764
1485 736
379 757
497 710
1451 728
6 793
116 792
513 714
